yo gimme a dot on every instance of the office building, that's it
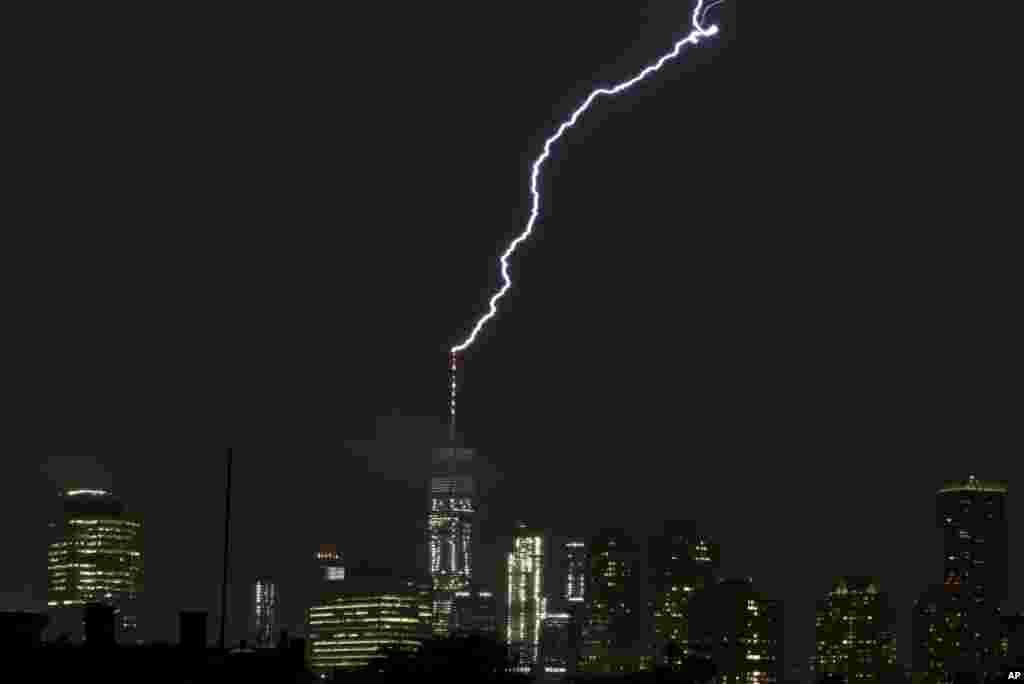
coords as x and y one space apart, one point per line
957 625
265 612
525 590
680 562
853 633
740 630
94 557
575 570
558 652
370 610
450 524
975 538
616 633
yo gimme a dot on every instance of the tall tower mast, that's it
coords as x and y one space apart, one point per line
453 369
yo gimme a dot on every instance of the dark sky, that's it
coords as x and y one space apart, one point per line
782 306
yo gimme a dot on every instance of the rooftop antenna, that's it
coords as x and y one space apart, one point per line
453 370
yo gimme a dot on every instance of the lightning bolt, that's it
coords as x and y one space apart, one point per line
695 36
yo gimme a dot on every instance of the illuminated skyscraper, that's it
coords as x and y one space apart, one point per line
330 563
615 633
853 635
957 625
576 571
265 612
370 610
681 561
452 503
526 601
96 557
740 630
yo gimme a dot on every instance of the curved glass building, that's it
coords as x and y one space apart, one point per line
94 557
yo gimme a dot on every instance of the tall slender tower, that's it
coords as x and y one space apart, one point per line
527 605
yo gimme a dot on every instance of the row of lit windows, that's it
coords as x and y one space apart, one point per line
105 521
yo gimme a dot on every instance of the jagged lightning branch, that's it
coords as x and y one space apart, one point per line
693 38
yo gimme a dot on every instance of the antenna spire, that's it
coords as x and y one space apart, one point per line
453 368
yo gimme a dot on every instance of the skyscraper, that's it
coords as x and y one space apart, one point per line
576 570
740 630
975 538
452 505
853 633
265 612
680 562
526 601
616 636
95 557
957 624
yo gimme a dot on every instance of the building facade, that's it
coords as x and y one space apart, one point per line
740 630
957 624
975 538
330 563
616 636
680 562
450 525
475 611
94 557
575 570
525 591
369 611
558 651
265 612
853 633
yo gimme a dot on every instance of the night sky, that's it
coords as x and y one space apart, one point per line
790 320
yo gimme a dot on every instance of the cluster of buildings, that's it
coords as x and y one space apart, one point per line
573 606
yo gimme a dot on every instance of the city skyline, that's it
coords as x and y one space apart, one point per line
933 567
790 323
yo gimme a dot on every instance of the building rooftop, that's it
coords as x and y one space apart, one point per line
973 484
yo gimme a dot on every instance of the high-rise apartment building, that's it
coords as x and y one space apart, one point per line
526 600
265 612
450 523
740 630
853 633
680 562
95 557
370 610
